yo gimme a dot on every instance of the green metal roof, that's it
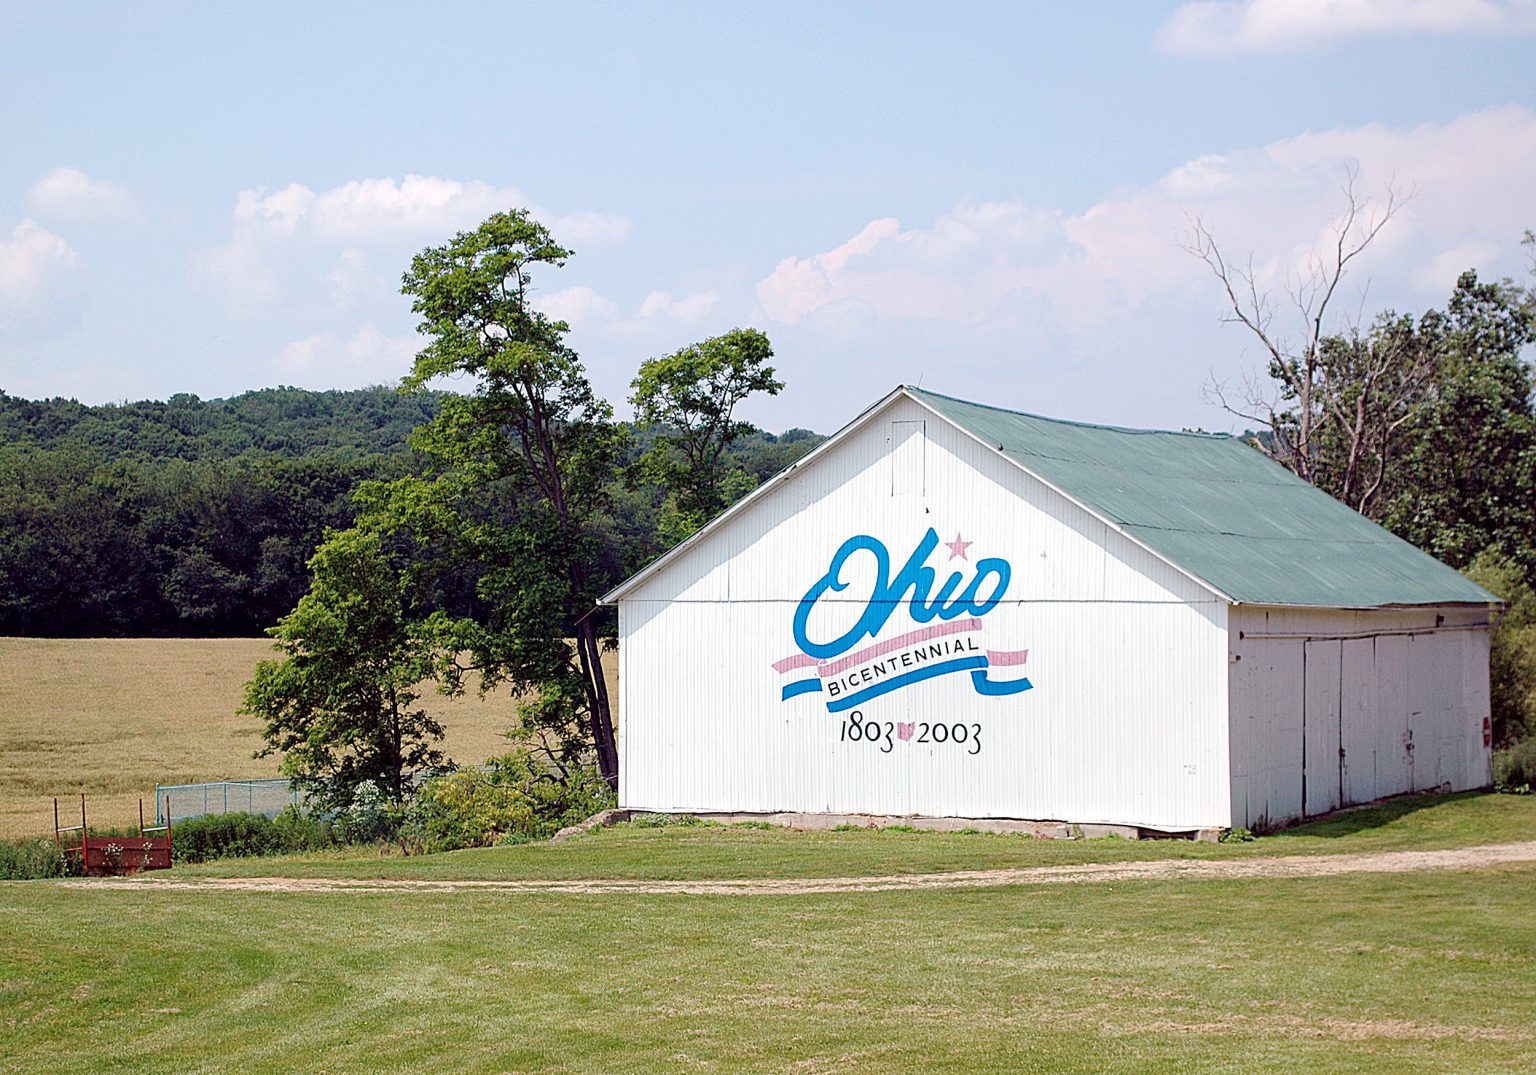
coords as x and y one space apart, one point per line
1220 510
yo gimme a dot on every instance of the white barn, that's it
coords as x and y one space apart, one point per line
950 610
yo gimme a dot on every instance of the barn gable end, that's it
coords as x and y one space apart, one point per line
705 725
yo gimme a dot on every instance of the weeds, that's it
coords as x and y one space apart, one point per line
28 860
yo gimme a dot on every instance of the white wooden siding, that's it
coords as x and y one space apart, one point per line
1126 722
1331 708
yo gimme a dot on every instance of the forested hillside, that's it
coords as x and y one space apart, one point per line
197 517
288 422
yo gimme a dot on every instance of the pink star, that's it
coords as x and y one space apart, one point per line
958 547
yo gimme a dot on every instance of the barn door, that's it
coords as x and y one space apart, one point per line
1394 730
1320 728
1358 719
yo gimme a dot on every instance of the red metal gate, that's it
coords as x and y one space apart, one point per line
107 855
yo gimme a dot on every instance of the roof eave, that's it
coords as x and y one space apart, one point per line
1389 606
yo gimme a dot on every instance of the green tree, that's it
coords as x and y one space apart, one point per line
1512 654
519 485
339 705
1466 478
690 396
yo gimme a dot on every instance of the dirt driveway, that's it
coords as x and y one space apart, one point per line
1463 858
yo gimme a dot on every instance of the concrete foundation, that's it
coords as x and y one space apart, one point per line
1050 830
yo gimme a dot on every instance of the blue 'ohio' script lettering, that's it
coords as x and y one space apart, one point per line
915 578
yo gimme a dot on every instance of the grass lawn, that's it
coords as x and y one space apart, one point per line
685 853
1429 971
1417 972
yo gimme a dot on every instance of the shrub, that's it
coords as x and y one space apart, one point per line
213 836
369 817
471 808
514 800
1515 769
293 831
216 836
27 860
559 800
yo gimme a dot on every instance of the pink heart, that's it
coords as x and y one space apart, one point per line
904 730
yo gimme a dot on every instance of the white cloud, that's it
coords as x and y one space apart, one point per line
281 211
36 267
689 310
299 246
614 337
801 285
368 356
958 269
1470 178
1223 27
418 207
576 229
352 275
590 311
71 195
251 272
1452 261
1023 295
577 306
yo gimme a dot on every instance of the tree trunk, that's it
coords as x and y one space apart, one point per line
396 747
600 713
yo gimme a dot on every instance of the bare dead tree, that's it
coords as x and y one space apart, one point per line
1334 400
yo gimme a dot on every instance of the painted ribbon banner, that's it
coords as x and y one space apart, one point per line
954 644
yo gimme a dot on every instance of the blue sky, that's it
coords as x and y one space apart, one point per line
984 198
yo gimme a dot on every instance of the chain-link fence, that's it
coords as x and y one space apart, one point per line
269 797
264 796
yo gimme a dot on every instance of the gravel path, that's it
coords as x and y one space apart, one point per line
1462 858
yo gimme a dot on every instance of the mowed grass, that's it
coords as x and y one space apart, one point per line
114 717
1416 972
1419 822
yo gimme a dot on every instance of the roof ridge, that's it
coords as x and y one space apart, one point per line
1069 421
1287 482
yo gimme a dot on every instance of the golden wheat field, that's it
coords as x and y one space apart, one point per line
114 717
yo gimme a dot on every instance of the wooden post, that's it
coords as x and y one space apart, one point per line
85 843
56 841
170 859
141 818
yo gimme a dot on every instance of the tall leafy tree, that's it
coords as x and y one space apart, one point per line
521 469
1466 479
340 704
691 396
